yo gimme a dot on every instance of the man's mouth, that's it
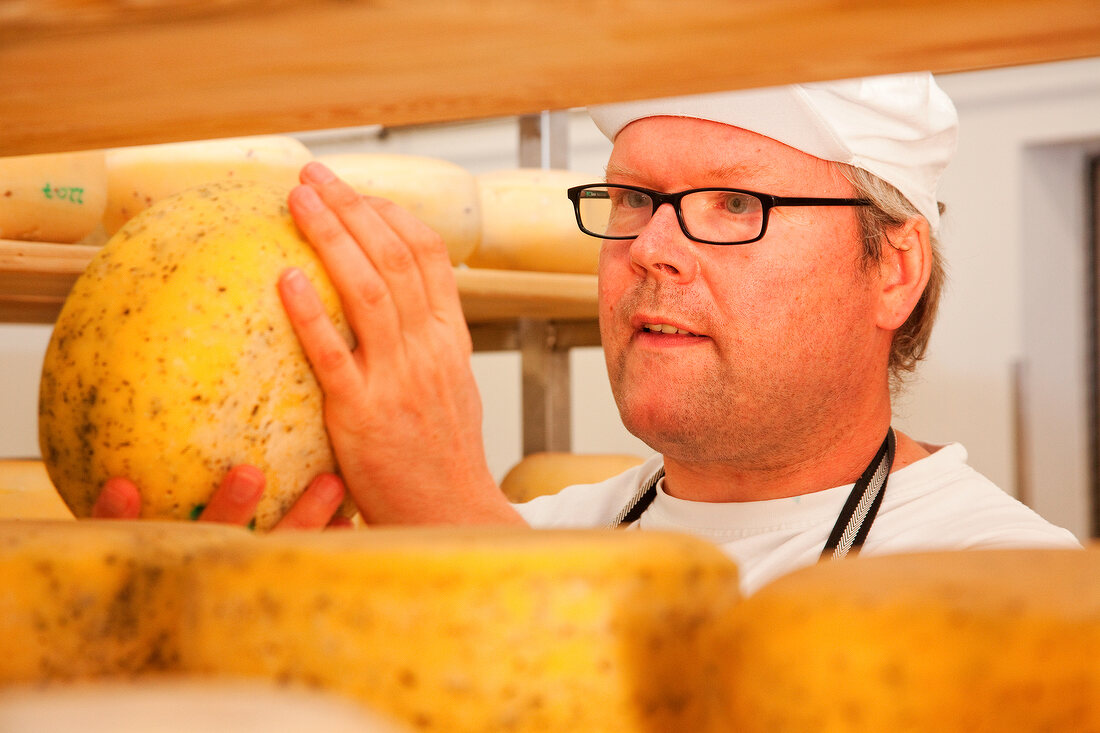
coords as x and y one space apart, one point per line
665 328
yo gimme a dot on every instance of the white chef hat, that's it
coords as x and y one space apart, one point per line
902 127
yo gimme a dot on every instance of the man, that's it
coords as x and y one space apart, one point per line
750 340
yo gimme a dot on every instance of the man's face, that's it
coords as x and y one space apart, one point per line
781 343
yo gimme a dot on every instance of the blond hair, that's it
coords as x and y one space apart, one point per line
889 210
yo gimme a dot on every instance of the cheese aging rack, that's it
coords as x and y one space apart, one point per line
106 73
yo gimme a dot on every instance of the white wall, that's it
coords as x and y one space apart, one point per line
1016 241
1014 238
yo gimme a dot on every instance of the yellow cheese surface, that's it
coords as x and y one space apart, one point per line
440 193
82 600
478 630
948 642
445 629
52 198
173 360
527 222
549 472
141 175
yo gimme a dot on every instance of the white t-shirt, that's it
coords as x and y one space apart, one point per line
936 503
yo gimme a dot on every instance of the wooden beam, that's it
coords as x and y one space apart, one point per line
79 74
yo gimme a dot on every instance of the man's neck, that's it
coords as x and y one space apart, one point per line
813 470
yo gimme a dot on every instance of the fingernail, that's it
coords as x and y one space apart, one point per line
318 172
115 503
294 280
307 198
330 488
245 484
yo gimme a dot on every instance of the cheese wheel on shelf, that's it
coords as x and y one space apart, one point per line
549 472
438 192
52 198
527 223
953 642
139 176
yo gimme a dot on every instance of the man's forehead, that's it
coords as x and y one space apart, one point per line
703 153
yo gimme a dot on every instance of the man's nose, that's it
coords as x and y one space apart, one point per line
662 250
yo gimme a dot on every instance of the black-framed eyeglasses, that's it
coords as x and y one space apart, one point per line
707 215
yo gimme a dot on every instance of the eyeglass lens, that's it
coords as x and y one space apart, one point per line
717 216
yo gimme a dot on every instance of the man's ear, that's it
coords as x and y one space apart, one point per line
906 264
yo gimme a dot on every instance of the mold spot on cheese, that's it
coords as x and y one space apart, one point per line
173 359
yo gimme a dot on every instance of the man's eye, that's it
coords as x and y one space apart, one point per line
739 204
635 200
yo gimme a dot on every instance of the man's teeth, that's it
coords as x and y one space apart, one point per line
665 328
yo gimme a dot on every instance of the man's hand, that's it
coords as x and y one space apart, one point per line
235 501
402 409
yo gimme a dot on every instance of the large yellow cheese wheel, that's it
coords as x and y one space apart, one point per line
527 223
440 193
446 629
549 472
952 642
141 175
173 359
52 198
479 630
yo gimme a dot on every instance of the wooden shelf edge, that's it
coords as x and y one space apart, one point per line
36 277
129 73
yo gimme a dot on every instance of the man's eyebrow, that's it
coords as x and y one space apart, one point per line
732 173
620 171
740 171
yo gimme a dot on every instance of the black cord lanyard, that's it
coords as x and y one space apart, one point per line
851 526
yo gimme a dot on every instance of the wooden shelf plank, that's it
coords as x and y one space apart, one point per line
36 277
503 295
102 73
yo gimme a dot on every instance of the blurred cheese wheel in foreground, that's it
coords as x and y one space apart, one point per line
52 198
182 705
448 629
139 176
527 223
953 642
440 193
550 472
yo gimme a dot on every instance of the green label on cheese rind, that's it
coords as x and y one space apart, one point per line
73 194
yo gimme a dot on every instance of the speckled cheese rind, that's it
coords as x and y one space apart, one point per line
94 599
173 360
440 193
139 176
478 630
443 629
959 642
55 197
527 222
